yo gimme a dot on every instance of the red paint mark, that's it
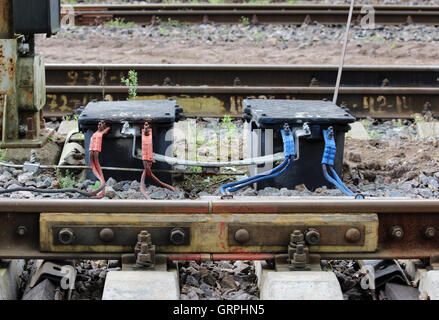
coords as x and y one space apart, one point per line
222 228
238 250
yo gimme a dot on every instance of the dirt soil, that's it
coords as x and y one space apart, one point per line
101 49
395 161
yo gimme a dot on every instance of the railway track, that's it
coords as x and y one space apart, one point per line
249 13
216 90
32 228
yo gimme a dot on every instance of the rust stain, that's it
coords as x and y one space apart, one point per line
11 68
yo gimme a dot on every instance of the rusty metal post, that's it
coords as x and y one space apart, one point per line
6 22
8 59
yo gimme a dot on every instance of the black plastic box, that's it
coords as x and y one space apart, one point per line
36 16
117 148
266 114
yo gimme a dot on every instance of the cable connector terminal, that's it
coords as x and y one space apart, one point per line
288 139
147 148
96 139
330 147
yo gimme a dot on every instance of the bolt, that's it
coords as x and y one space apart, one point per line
312 237
352 235
144 258
21 230
429 232
65 236
299 260
396 232
144 248
106 234
177 236
242 236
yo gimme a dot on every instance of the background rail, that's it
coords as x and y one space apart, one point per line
216 90
250 13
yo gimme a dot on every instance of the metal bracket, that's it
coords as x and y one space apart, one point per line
66 274
127 130
302 132
144 251
298 252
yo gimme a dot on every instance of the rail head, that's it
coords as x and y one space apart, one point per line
217 206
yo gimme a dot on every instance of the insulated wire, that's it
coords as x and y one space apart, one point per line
142 181
261 176
342 188
238 163
335 175
273 175
274 170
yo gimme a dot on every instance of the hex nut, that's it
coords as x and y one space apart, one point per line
312 237
429 232
177 236
106 234
242 236
352 235
296 236
396 232
66 235
21 230
144 236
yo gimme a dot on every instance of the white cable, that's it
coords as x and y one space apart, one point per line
246 162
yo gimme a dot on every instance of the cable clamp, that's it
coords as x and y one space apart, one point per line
96 139
330 147
288 139
147 148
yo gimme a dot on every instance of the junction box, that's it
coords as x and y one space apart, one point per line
127 118
268 116
36 16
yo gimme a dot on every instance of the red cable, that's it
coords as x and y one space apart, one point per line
100 176
160 182
142 182
95 149
148 158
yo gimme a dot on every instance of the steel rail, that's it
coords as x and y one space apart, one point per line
377 91
29 227
233 13
243 206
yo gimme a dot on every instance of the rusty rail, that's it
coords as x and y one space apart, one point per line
251 13
377 91
28 226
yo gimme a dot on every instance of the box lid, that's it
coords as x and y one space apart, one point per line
133 111
272 112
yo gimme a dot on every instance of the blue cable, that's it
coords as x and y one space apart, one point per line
273 175
337 182
328 159
263 174
335 175
289 151
334 182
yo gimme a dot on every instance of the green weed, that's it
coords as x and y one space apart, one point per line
131 82
96 185
2 155
66 181
245 21
120 23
